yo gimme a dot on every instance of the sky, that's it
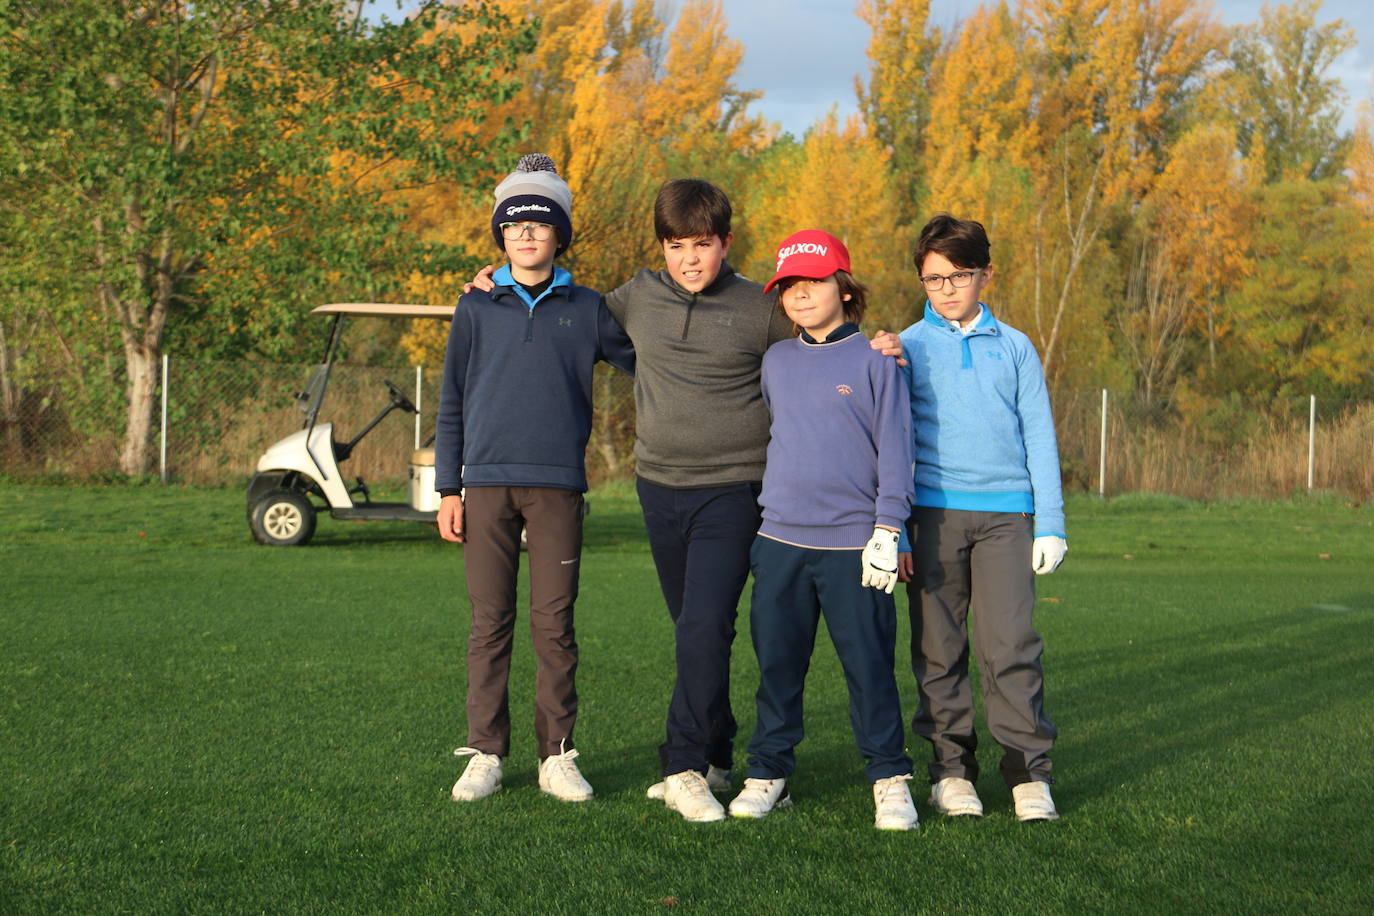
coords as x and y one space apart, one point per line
805 54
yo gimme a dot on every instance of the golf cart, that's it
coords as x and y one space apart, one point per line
306 463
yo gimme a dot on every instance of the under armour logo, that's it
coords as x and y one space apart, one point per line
565 322
995 354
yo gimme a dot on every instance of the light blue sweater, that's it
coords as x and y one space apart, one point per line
980 417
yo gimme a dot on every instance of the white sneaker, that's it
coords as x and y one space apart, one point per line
760 796
481 778
893 805
716 778
688 794
1033 802
955 797
560 777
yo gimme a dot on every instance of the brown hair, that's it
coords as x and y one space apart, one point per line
963 242
689 208
854 306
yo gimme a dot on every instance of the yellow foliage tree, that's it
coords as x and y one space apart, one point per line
1194 250
618 116
837 180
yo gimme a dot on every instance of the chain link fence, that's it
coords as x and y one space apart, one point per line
221 417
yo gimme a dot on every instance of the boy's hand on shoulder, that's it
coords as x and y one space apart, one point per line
482 281
880 560
450 519
889 344
1047 552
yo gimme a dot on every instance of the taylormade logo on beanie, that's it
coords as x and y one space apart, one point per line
809 253
534 193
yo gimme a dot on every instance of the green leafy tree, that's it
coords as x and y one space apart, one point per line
1283 94
1302 320
896 102
225 160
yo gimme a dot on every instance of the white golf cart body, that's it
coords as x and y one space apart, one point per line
306 463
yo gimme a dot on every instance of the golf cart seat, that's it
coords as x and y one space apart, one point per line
422 457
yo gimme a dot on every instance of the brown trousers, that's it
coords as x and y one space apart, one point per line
552 518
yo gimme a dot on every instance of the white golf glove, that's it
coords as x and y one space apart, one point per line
880 560
1047 552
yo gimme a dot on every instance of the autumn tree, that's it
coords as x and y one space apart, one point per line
837 180
1191 250
621 103
184 142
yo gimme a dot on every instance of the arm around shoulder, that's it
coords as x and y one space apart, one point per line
613 343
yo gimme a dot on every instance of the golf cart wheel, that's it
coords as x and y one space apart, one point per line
283 518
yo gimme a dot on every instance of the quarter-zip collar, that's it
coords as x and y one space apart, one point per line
726 275
987 325
507 283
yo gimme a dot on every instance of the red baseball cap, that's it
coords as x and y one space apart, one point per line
809 253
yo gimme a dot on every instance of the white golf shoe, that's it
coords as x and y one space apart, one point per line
955 797
760 796
716 778
481 778
688 794
893 808
560 777
1034 802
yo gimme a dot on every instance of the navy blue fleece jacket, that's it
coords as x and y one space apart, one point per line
515 408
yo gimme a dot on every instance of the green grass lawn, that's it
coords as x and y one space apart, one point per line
192 722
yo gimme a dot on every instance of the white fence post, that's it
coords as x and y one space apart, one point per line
163 446
1311 442
419 400
1102 451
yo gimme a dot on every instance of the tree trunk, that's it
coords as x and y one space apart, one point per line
142 362
9 398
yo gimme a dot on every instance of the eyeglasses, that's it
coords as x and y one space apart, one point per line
540 232
959 279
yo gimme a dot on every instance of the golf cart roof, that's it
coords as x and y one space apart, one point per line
385 310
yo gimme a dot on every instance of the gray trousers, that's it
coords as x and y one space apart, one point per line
977 562
552 518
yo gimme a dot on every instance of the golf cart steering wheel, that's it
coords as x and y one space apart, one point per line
398 397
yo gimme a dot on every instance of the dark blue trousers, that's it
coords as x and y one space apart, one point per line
793 586
700 542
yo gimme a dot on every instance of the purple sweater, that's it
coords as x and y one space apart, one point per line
839 461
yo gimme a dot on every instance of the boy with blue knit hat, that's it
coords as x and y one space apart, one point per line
988 518
515 413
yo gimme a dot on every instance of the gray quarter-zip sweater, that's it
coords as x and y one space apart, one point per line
700 419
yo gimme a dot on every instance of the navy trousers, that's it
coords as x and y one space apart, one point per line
793 586
700 541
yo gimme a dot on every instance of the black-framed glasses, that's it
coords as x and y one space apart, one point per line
959 279
540 232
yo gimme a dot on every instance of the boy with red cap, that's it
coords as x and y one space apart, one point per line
837 488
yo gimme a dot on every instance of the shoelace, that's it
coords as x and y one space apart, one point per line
890 790
563 763
481 761
694 787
